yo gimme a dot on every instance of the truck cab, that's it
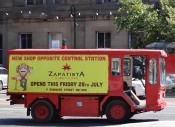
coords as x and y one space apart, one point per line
134 67
146 73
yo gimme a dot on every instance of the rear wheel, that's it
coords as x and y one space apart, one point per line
42 111
118 111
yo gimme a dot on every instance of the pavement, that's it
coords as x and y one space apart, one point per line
149 124
4 102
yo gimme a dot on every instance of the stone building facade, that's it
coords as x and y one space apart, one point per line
45 23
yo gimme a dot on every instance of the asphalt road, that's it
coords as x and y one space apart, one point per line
16 116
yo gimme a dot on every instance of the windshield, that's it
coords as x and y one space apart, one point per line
162 72
127 67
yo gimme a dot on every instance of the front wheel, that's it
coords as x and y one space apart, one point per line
118 111
42 111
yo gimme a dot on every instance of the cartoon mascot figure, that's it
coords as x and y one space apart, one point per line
22 71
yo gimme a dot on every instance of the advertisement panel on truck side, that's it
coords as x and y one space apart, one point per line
58 73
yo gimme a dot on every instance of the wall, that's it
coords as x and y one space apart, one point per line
6 3
118 39
39 32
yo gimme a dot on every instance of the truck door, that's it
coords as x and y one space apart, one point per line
152 83
116 75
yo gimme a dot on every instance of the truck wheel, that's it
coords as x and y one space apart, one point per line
1 85
117 111
42 111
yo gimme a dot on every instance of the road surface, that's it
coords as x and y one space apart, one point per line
15 115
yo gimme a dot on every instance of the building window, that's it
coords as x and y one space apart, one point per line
39 2
30 2
103 39
57 1
106 1
1 49
25 41
50 2
55 40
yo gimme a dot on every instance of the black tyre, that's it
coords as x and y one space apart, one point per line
42 111
118 111
131 115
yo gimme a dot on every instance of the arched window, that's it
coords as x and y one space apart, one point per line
152 71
